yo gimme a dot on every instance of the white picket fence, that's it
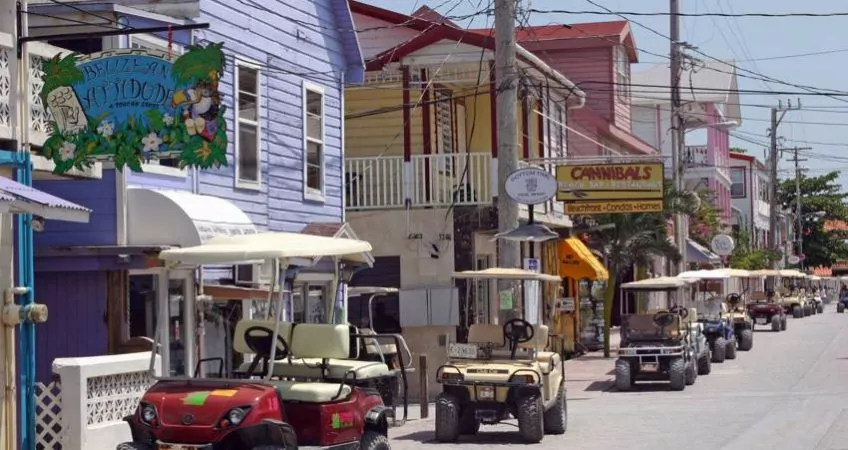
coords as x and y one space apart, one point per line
84 408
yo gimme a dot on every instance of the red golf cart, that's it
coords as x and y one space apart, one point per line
302 388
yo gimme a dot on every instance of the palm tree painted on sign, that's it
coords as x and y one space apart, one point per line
636 239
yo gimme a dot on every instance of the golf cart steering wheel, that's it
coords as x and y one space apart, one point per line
260 341
679 310
518 331
664 318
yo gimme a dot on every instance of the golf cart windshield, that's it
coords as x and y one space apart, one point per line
663 318
279 250
709 309
526 332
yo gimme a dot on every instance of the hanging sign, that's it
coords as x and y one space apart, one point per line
531 186
133 105
722 245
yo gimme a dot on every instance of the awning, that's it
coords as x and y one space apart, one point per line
576 261
179 218
697 253
17 198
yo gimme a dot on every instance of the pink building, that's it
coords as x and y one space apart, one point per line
710 110
597 58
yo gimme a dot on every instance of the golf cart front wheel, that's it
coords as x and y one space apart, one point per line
797 312
746 339
677 374
623 375
447 418
372 440
783 322
840 308
719 350
820 309
730 352
776 324
691 373
556 418
705 365
530 417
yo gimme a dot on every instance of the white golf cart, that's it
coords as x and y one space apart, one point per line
503 370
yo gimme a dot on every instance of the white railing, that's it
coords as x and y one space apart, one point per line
84 408
695 156
428 180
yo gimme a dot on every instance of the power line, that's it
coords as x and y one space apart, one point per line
682 14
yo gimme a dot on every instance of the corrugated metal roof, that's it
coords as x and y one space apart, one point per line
12 191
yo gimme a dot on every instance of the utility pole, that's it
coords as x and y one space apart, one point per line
799 215
678 132
777 115
506 82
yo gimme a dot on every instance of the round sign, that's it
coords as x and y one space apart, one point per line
793 259
722 245
531 186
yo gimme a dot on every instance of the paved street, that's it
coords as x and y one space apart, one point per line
790 392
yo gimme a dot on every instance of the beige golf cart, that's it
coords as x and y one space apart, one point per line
793 294
503 370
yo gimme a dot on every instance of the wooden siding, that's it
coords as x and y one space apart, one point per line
583 66
621 118
98 195
380 35
292 41
379 134
579 145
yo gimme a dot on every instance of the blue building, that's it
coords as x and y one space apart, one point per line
286 66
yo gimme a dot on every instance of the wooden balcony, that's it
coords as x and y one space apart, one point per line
428 181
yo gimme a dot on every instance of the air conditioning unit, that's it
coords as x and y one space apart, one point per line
253 274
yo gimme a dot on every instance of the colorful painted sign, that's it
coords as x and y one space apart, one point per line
614 207
196 398
133 105
610 182
342 420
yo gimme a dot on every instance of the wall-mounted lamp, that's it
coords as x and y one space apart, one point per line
37 223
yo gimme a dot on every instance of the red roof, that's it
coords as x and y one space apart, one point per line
822 271
574 31
835 225
427 13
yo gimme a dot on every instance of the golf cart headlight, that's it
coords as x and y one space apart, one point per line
148 414
451 377
236 415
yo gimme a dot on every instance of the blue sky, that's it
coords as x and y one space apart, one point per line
741 39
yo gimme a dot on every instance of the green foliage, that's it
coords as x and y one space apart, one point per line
199 64
738 150
818 194
60 71
704 224
747 258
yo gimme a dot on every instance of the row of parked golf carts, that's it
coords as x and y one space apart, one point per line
686 323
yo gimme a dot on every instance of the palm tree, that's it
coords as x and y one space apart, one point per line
636 239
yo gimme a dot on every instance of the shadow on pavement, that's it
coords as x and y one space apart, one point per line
487 437
600 386
645 386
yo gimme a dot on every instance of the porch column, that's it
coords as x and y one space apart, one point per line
163 299
493 125
407 139
426 129
191 327
524 97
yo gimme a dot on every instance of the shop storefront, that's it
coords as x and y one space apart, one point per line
579 315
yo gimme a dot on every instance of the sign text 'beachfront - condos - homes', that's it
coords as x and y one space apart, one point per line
129 106
610 188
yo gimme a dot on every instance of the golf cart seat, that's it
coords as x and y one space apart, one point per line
758 296
494 334
311 392
321 351
484 333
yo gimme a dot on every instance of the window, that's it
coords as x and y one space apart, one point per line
622 68
313 137
765 187
557 124
248 141
737 178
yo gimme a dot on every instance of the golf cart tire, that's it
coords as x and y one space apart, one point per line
556 418
447 418
677 374
373 440
807 311
840 307
746 338
814 310
691 373
797 312
783 323
730 352
623 375
468 424
133 446
719 350
705 363
776 323
530 417
820 309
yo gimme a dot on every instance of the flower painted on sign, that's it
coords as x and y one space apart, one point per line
168 119
105 128
151 142
66 152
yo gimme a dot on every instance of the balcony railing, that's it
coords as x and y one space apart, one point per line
437 180
696 156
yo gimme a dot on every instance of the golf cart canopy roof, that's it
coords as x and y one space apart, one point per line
658 284
506 274
792 273
814 277
356 291
703 275
737 273
765 273
263 246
